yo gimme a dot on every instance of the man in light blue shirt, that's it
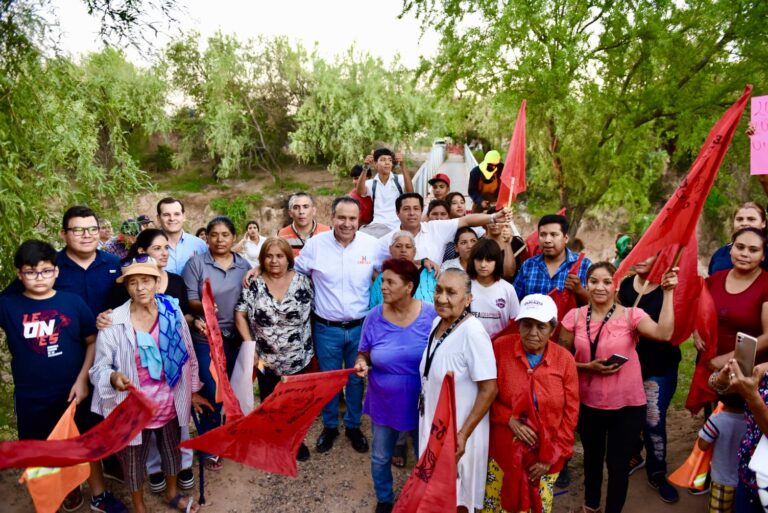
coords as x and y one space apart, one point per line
181 245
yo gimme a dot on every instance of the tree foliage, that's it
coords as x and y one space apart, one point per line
354 102
620 94
242 97
63 130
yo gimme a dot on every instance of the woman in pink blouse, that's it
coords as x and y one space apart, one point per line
603 334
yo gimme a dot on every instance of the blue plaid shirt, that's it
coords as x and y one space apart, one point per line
533 277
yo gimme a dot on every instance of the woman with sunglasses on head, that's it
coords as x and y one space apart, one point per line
226 271
603 335
152 243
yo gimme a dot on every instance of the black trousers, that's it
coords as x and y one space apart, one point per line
608 435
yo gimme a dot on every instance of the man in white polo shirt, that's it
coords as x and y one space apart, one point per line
341 264
431 237
384 189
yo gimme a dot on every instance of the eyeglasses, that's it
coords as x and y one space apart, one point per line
79 231
35 275
138 259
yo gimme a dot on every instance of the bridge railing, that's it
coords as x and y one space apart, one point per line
470 161
428 169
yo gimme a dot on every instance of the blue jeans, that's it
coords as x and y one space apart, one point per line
746 500
382 448
336 348
659 391
212 419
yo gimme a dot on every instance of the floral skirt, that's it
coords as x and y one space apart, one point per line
492 503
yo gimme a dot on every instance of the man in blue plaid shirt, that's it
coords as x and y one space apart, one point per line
549 270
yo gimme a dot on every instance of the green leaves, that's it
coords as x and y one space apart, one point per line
355 102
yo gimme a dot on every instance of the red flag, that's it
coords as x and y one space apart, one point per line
706 326
232 410
532 242
48 486
269 437
432 485
513 175
107 437
675 226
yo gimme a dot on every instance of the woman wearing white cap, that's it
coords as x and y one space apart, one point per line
148 345
534 417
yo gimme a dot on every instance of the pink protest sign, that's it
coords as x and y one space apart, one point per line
759 141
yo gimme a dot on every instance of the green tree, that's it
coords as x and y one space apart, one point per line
354 102
63 131
242 97
620 94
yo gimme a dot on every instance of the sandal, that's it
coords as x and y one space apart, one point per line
213 464
190 506
398 456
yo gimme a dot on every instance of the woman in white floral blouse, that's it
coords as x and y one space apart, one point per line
274 310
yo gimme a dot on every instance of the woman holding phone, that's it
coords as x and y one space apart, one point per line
603 335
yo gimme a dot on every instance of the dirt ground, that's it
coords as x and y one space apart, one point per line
340 481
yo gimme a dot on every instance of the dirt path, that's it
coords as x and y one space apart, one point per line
340 482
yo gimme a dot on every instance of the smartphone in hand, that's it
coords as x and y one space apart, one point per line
616 359
744 352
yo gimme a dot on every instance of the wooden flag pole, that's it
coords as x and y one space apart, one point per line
511 190
675 261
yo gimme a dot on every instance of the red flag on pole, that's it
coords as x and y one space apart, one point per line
675 226
673 232
232 410
107 437
269 437
513 175
432 485
706 326
532 242
49 486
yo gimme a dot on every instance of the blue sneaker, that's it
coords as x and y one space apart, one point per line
107 503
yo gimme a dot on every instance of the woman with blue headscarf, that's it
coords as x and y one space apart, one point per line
148 346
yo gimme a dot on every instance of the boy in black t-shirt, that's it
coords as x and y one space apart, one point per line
51 336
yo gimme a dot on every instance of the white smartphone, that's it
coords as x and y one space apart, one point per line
745 351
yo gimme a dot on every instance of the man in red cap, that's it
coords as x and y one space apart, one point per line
441 186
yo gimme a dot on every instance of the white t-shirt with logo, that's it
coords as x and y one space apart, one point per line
384 203
494 306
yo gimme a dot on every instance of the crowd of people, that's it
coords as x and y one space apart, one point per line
402 292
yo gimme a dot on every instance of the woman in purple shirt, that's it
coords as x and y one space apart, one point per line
393 339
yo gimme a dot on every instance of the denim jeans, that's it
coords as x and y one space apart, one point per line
212 419
382 448
659 391
336 348
747 500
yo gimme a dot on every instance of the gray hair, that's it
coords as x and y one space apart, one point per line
401 233
462 274
296 195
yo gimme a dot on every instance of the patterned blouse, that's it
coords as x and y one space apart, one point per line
751 439
281 329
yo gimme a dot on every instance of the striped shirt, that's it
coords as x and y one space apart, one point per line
291 235
115 353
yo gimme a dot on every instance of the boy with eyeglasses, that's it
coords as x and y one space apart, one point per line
51 336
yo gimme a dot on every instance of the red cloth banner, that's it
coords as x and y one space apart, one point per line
432 485
232 410
675 225
268 438
107 437
48 486
706 326
513 175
